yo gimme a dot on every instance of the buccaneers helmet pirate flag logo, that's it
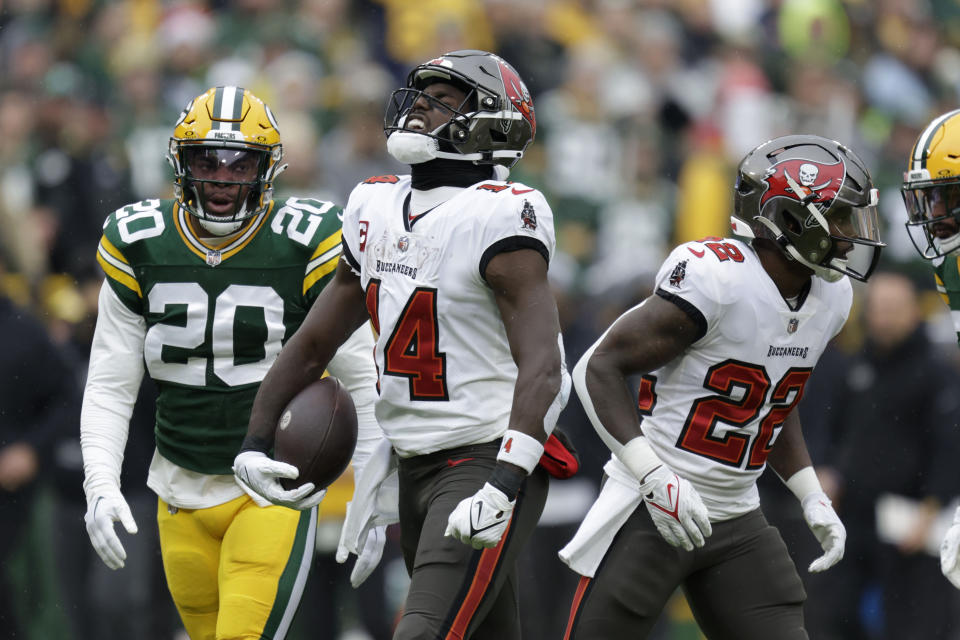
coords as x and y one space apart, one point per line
518 94
822 181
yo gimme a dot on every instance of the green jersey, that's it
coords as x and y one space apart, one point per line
947 274
216 317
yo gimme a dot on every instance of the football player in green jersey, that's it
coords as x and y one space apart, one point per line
204 289
931 191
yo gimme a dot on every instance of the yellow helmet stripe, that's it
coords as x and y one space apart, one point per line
919 153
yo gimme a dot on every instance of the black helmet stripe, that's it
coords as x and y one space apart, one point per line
919 157
228 108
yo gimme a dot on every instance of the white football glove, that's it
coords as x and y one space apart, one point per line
826 526
950 552
374 506
259 476
103 509
481 519
370 556
676 508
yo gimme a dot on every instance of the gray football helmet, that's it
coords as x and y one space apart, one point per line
494 124
814 197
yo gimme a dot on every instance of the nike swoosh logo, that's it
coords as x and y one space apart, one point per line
517 192
674 509
475 529
699 254
452 463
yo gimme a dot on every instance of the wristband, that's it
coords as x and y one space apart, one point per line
521 450
638 456
254 443
803 483
507 480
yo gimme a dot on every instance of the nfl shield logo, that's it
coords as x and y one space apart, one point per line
213 258
792 325
403 243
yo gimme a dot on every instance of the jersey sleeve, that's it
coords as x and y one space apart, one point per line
518 218
113 382
353 235
692 283
117 267
325 245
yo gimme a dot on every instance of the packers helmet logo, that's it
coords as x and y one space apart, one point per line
818 182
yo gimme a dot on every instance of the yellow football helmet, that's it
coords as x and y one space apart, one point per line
225 152
931 188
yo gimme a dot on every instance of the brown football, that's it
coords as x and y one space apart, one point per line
317 433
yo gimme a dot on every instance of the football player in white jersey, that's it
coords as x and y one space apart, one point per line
450 263
724 348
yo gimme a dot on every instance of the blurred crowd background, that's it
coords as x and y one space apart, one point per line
644 108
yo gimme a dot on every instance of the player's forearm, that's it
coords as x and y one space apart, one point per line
353 365
606 398
521 447
300 362
537 387
789 454
337 313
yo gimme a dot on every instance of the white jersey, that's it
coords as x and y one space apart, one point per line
446 372
713 414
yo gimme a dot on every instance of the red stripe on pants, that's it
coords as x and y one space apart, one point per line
577 599
478 588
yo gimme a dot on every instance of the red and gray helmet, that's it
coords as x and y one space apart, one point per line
494 124
814 197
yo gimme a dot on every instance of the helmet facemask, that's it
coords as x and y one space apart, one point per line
845 241
933 216
224 176
415 146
